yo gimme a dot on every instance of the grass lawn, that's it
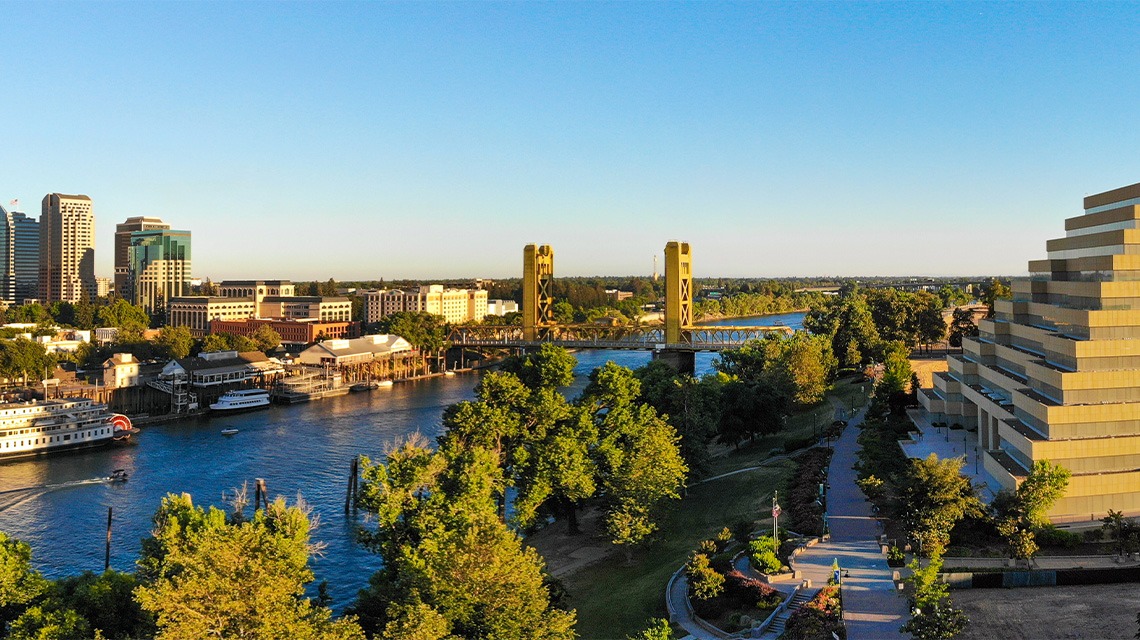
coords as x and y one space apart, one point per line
614 600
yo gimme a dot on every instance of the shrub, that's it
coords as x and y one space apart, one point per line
721 562
742 531
871 486
704 581
742 591
895 557
762 554
1094 535
707 547
722 539
1051 536
818 618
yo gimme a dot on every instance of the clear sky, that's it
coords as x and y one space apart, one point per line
435 139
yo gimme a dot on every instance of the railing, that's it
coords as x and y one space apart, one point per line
711 338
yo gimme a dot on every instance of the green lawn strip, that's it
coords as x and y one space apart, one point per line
614 599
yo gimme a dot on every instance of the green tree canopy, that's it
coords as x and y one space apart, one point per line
450 565
425 331
124 315
935 496
174 342
206 575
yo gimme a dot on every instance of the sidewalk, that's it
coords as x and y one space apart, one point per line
872 606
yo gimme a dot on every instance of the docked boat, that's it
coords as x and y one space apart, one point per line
41 427
364 386
229 431
241 400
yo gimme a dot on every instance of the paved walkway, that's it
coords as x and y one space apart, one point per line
873 607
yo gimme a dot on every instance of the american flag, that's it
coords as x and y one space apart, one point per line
14 204
776 511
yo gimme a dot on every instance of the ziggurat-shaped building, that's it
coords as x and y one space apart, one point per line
1055 374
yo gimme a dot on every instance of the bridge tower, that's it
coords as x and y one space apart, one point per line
538 289
678 307
678 291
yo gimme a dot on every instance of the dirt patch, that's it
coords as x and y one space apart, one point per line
926 367
566 554
1094 612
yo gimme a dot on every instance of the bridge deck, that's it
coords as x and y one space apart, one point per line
712 338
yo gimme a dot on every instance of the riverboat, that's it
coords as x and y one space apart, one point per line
37 428
242 400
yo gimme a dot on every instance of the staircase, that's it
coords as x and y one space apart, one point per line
776 629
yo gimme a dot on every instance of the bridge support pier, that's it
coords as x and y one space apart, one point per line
682 361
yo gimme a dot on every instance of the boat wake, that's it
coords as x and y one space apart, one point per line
58 485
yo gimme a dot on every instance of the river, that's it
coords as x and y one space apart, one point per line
58 505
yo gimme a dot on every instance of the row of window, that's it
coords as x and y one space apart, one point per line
50 439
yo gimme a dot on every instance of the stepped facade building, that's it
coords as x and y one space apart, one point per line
1055 374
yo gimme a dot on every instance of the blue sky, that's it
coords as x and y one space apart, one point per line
435 139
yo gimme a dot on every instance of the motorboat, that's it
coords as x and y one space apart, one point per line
118 475
364 386
229 431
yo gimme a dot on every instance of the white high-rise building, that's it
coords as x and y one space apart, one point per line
67 248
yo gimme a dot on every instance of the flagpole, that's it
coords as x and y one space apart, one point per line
775 518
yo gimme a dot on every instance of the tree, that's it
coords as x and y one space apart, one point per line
1040 490
848 323
638 460
938 622
425 331
227 342
691 405
450 565
935 496
80 606
175 342
992 291
124 315
962 326
1021 540
20 584
327 289
550 367
206 575
704 581
265 338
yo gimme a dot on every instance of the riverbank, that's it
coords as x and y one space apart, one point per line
149 420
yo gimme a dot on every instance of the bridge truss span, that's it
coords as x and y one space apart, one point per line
650 337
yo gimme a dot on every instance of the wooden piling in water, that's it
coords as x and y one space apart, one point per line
107 553
350 493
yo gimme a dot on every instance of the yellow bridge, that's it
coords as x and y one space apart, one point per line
676 341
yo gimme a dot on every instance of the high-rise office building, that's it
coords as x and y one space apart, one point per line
27 261
123 232
158 267
7 257
67 248
1055 374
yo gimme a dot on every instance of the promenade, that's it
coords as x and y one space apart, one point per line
872 606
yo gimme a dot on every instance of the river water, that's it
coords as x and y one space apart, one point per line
59 506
